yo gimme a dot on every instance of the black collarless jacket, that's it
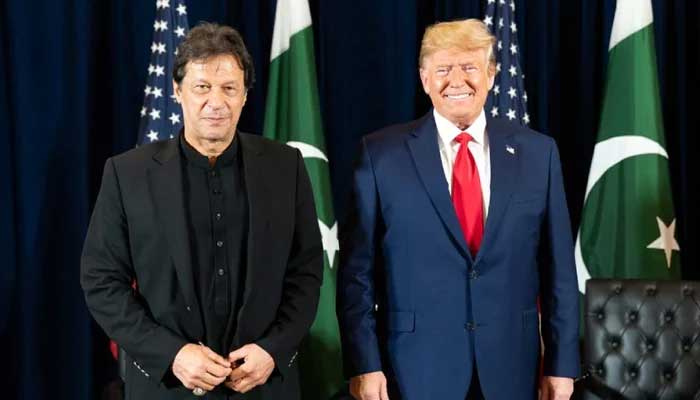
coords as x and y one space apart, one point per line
138 231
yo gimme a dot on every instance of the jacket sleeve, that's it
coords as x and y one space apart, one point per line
356 287
106 275
302 279
559 289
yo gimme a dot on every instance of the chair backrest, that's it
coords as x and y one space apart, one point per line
642 337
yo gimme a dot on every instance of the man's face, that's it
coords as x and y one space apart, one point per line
458 83
212 95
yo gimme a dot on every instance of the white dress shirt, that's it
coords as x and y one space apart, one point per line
479 147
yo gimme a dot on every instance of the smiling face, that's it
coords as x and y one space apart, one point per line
212 94
458 82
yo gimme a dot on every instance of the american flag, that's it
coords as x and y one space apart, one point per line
161 115
508 98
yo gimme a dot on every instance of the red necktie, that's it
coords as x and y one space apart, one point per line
466 194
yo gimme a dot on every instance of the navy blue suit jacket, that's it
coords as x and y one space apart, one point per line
413 302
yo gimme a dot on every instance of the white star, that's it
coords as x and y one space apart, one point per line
158 25
172 96
174 118
155 114
329 237
511 114
488 20
143 111
175 52
498 67
171 136
497 89
157 92
512 6
162 3
525 97
494 111
513 49
500 23
181 9
147 90
492 1
500 45
151 69
512 70
526 119
158 47
512 92
501 2
159 70
513 28
666 241
153 135
180 31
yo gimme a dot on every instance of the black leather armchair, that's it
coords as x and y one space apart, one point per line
642 340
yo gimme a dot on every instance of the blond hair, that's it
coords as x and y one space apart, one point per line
468 34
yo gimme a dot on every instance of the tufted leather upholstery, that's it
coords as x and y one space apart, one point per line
642 339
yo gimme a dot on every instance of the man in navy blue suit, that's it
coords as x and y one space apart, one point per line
458 225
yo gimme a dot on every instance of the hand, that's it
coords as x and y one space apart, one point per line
556 388
256 367
369 386
197 365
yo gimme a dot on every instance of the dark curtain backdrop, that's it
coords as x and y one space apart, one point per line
72 74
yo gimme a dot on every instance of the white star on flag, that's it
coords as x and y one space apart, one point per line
497 89
498 67
160 25
511 114
513 49
494 111
488 21
143 111
666 241
526 119
174 118
512 70
158 47
151 69
500 23
181 9
155 114
153 135
180 31
512 92
512 6
329 237
159 70
500 45
157 92
513 27
162 3
147 90
524 96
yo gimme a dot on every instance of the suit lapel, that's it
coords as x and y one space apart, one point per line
504 169
165 179
259 209
426 155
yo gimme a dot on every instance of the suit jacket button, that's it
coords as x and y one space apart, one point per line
470 326
188 308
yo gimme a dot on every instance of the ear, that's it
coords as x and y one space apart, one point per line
176 91
424 79
492 76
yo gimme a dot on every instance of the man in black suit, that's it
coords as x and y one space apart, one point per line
218 228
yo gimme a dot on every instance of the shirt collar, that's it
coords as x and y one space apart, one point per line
199 160
448 131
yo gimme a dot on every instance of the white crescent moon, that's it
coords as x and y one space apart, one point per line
606 155
308 151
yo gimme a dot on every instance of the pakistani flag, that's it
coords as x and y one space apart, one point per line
628 224
293 116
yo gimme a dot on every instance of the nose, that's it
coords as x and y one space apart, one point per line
457 77
215 100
